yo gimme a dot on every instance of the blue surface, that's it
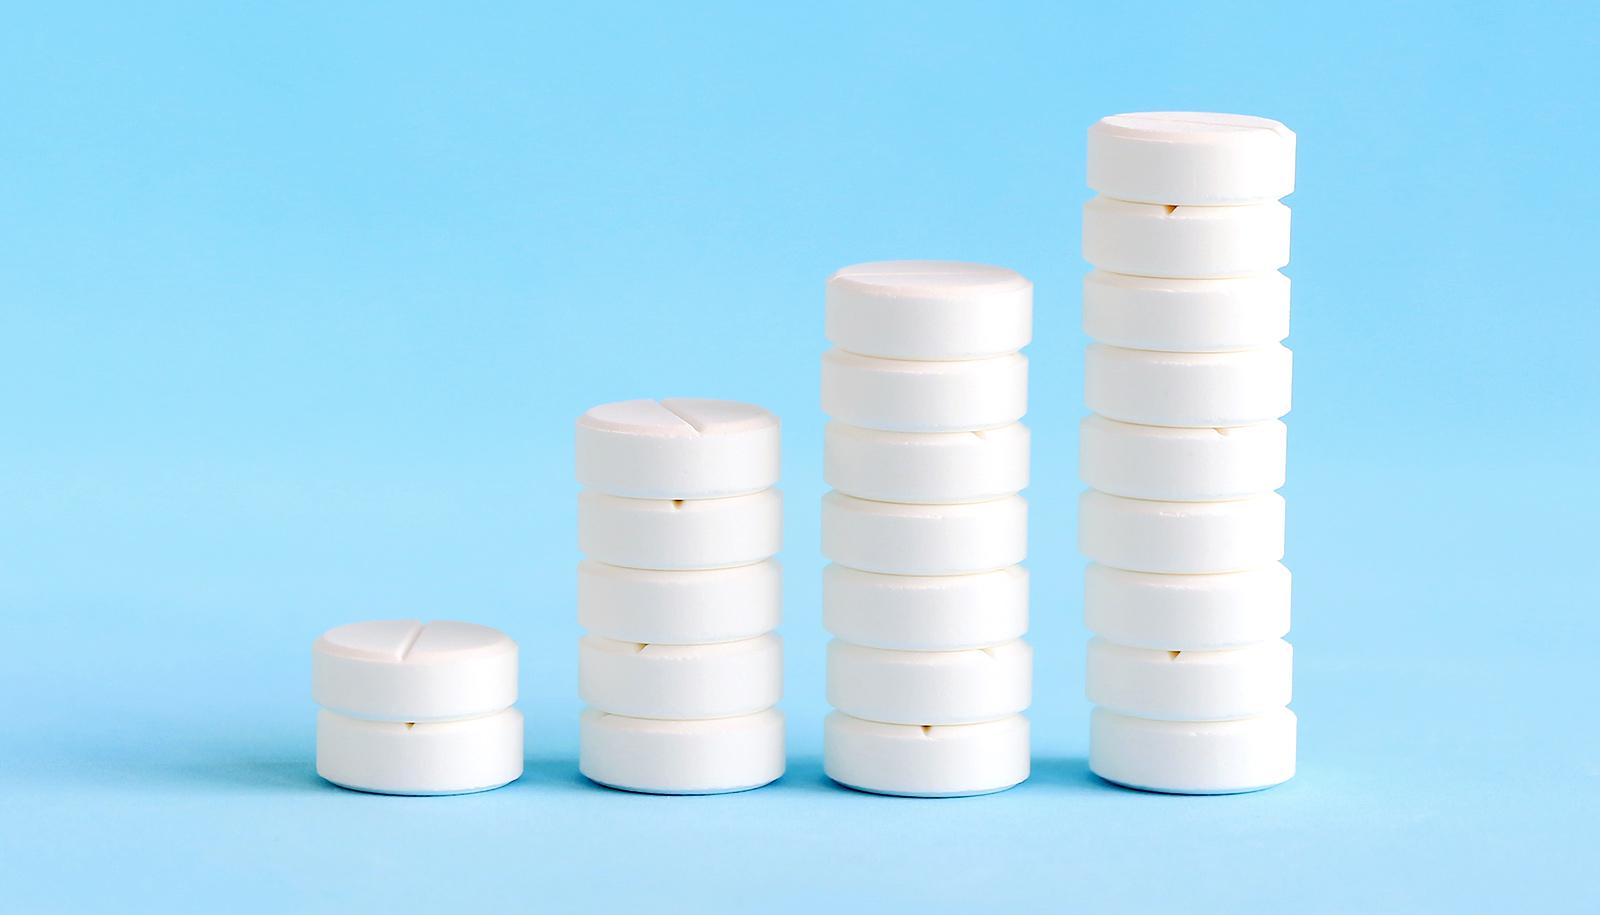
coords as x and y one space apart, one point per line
299 305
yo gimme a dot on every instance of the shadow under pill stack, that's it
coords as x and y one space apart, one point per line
1187 380
679 592
928 672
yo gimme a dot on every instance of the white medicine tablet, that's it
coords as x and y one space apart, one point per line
440 757
408 670
1183 315
679 448
1181 537
680 534
901 395
1190 685
929 761
1193 757
930 687
925 612
1192 157
677 607
1187 612
680 681
902 539
1145 239
651 756
929 310
1188 389
925 466
1184 465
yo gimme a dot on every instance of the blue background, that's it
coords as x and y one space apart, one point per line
299 304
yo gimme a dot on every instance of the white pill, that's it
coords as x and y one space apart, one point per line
679 448
929 310
677 607
1181 537
1187 612
440 757
1199 465
408 670
1145 239
1183 315
902 539
901 395
1192 157
680 534
925 612
715 756
680 681
1190 685
1188 389
1193 757
928 761
930 687
926 466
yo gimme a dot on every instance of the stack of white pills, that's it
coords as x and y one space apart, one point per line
680 594
1187 379
417 708
925 597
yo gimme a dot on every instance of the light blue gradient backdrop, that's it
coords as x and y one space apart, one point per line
299 303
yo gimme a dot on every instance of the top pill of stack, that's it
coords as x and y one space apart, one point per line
678 448
929 310
1188 158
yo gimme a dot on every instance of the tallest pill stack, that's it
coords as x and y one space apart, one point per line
1187 380
927 671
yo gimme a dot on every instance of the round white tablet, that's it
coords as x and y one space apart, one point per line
902 539
408 670
901 395
929 310
1183 465
680 608
1180 537
679 448
681 681
1192 157
925 612
929 761
680 534
715 756
925 466
1187 612
1188 389
440 757
1190 685
930 687
1193 757
1186 316
1145 239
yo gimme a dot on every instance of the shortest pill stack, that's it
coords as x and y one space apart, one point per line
679 593
417 708
1187 380
926 597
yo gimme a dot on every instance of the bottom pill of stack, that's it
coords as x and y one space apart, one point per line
931 707
661 756
1197 703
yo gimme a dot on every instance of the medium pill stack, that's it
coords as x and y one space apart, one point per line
416 708
1187 380
928 671
679 593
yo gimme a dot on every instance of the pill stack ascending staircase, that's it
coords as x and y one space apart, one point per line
679 594
1187 380
416 708
928 671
